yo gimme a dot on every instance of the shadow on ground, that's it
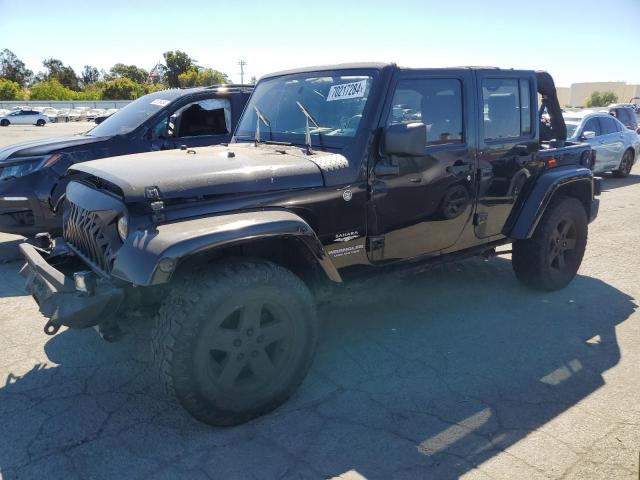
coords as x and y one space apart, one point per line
609 182
426 375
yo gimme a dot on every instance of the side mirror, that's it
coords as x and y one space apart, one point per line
405 139
588 135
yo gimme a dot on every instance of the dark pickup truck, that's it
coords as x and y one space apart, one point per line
333 172
32 174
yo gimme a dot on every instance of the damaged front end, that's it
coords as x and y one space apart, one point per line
66 293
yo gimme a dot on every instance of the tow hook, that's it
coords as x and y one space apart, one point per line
51 328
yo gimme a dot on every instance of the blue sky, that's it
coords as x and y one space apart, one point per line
589 41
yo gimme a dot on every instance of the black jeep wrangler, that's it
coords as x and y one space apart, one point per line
332 172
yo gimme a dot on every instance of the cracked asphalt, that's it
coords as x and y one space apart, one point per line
454 372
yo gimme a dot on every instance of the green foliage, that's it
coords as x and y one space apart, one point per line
9 90
56 70
51 90
201 77
120 70
154 87
121 89
12 68
89 75
601 99
177 63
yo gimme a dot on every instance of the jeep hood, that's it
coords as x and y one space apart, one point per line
44 146
218 170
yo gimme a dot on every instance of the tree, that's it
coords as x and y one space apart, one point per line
601 99
56 70
12 68
120 70
253 80
89 75
10 90
201 77
51 90
177 63
121 89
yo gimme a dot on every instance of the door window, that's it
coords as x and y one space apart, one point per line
592 125
506 107
435 102
205 117
607 125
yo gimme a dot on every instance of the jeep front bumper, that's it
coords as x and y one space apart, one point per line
59 300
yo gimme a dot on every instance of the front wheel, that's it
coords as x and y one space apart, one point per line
4 123
40 123
625 165
550 259
235 343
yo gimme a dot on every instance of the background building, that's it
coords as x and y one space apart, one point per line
577 93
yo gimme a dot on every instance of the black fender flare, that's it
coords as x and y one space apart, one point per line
538 198
147 255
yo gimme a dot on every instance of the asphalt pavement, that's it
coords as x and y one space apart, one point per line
454 372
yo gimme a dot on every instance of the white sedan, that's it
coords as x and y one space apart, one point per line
616 147
23 117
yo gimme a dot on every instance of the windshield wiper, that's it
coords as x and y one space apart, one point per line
307 132
263 119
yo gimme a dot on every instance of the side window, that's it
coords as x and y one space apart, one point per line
607 125
525 107
205 117
506 107
592 125
435 102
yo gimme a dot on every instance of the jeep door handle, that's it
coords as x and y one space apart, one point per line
459 168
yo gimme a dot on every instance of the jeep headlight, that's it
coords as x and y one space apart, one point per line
123 227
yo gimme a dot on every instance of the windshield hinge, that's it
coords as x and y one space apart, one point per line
152 194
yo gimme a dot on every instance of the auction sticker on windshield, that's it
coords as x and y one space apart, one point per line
161 102
347 90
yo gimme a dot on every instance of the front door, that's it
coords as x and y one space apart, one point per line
421 204
507 142
611 139
198 123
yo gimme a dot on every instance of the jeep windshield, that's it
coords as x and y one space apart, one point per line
334 100
134 114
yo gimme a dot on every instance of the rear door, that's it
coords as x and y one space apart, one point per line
612 139
424 206
507 141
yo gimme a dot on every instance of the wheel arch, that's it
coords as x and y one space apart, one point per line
276 235
571 182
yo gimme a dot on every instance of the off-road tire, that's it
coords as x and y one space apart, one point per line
536 261
190 367
624 169
4 123
40 123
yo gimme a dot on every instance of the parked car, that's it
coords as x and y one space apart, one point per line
23 117
63 115
626 114
32 174
76 114
332 171
101 118
616 147
93 113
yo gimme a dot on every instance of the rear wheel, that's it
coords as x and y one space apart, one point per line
40 123
235 343
550 259
625 165
4 123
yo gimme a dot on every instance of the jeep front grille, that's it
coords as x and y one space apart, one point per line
84 232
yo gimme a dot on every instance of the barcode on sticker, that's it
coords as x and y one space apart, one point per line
347 90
